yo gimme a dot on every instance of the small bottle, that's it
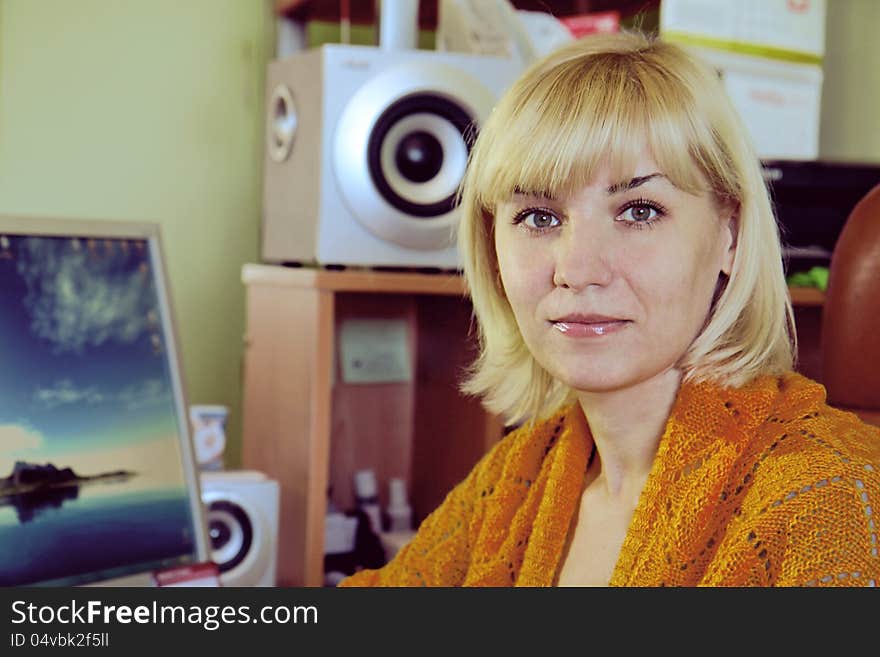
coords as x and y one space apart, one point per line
399 510
366 495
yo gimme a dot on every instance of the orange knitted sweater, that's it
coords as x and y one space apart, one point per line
753 486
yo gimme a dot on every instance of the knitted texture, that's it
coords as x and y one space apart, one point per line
763 485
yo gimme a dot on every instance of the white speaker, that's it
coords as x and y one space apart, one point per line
366 148
241 508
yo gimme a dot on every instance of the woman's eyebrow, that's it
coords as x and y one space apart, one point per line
632 184
519 191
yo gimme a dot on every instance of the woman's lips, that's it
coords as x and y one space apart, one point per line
588 327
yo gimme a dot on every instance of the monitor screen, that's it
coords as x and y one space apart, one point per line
97 479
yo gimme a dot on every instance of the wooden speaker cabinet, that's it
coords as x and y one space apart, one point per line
309 429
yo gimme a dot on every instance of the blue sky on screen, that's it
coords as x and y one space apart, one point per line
84 380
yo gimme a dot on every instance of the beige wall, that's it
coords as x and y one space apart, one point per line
148 110
850 121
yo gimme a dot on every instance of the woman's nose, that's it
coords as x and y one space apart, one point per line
582 260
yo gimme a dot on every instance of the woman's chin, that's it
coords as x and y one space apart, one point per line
598 382
615 380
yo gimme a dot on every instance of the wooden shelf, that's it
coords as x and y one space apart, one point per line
310 429
409 283
290 7
360 12
354 280
806 296
365 12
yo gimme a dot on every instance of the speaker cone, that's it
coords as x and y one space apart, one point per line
417 154
231 534
282 123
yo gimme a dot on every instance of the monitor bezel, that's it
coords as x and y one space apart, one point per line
152 233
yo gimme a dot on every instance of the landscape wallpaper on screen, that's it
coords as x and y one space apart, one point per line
91 480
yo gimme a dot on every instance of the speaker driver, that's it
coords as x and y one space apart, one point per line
282 129
418 154
230 532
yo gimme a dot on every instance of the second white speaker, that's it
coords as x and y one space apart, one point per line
242 508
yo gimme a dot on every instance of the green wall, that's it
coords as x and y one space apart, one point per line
148 110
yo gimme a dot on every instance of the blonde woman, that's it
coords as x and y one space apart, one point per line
625 269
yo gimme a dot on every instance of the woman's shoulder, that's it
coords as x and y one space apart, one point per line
804 441
801 411
813 475
525 446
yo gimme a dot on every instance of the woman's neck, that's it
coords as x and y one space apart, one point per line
627 426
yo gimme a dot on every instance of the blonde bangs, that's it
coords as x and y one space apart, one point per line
552 133
552 141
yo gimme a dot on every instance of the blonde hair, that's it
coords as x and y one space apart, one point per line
596 100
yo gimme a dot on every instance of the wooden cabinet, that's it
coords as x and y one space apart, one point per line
311 430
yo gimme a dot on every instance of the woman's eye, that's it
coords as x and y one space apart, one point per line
640 214
539 219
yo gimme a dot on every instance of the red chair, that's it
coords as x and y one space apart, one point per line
850 338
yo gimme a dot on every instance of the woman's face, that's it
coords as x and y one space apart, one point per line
611 285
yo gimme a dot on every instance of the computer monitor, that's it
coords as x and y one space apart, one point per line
98 483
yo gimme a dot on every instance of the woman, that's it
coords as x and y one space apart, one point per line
625 269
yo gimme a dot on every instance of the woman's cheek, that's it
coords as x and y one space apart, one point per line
514 261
